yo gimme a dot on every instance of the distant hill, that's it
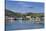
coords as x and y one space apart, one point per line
10 13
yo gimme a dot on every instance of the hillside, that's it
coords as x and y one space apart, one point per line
10 13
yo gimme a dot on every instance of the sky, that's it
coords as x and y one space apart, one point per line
25 7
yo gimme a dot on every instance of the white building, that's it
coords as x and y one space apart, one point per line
37 19
29 17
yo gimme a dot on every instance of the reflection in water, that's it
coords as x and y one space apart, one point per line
23 24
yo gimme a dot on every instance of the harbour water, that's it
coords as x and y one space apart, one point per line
23 24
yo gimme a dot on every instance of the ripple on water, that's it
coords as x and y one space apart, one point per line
18 25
